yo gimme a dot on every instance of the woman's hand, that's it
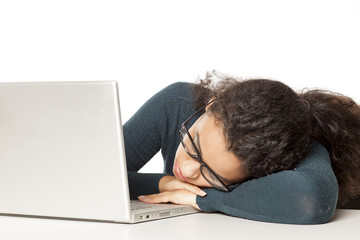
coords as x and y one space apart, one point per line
171 183
175 191
177 196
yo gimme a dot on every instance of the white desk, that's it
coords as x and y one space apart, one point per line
346 225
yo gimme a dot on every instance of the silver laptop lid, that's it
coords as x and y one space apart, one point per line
61 151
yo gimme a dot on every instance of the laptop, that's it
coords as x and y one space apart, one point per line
62 154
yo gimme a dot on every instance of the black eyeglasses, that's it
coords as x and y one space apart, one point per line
191 149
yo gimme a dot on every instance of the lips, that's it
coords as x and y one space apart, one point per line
177 172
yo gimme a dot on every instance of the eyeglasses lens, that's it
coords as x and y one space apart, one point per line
187 143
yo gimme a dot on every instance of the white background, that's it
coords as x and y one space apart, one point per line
146 45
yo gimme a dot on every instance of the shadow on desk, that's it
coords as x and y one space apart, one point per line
353 204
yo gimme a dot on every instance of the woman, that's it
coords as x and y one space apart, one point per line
253 149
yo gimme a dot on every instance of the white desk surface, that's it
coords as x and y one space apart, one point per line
345 225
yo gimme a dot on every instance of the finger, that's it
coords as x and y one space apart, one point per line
155 198
194 189
178 197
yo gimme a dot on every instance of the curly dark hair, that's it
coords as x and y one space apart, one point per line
270 126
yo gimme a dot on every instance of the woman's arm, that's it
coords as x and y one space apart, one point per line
305 195
153 127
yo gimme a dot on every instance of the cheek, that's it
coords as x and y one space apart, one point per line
182 159
201 182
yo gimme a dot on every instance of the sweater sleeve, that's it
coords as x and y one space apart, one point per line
305 195
153 127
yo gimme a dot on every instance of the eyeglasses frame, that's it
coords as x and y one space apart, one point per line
198 157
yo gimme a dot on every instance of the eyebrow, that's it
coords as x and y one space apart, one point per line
197 142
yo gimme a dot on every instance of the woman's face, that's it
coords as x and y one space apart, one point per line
209 139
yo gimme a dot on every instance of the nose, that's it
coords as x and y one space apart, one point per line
191 168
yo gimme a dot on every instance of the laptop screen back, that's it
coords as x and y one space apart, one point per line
62 151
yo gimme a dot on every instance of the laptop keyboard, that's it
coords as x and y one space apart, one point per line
136 205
